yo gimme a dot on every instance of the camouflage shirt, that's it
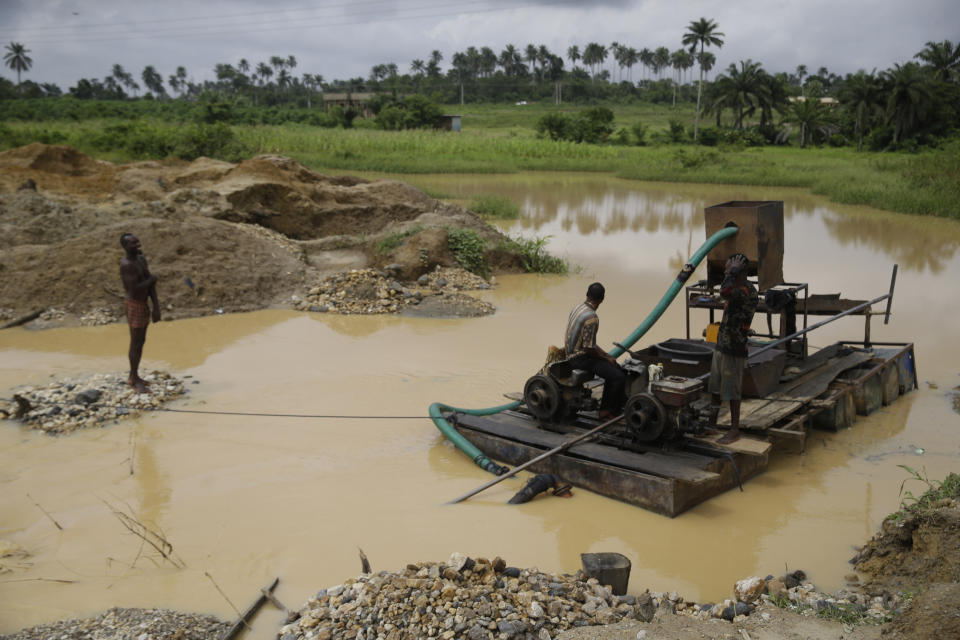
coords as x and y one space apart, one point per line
738 310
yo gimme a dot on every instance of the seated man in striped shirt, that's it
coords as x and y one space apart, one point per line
580 342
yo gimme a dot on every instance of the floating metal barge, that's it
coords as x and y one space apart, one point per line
658 455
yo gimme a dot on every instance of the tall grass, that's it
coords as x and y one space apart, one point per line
500 139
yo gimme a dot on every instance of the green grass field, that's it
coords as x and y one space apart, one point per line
502 139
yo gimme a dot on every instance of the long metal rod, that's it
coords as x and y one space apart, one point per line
851 310
893 281
532 461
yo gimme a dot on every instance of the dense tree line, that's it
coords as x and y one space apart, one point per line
911 104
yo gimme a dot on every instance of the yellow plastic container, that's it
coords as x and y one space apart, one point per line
710 333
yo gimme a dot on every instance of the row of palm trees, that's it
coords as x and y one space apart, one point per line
903 97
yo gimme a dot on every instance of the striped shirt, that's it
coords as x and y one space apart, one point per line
581 330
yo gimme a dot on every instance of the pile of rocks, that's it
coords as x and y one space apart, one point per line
120 624
98 316
482 600
454 278
791 591
70 404
462 598
370 291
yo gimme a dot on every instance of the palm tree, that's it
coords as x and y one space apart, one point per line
861 96
511 61
178 80
573 52
433 66
908 99
530 54
704 33
264 71
488 61
646 58
801 72
812 115
17 59
661 60
630 58
942 56
153 81
744 89
594 55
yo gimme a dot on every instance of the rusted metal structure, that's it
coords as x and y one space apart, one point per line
760 239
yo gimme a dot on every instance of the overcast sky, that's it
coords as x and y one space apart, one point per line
70 39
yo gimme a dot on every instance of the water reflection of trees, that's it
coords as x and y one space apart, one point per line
611 211
589 205
917 244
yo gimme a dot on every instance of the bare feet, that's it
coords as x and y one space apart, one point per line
731 436
605 414
139 385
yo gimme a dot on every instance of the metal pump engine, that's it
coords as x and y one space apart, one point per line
656 411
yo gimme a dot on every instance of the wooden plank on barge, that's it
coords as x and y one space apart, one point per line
521 431
815 382
666 496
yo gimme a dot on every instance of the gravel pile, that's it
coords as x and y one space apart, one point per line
484 600
99 316
91 401
129 624
462 598
371 291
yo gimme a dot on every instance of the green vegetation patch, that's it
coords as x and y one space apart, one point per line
390 242
468 248
498 207
937 490
535 258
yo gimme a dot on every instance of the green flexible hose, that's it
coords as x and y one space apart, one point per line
485 463
674 288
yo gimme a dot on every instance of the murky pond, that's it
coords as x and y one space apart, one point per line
243 499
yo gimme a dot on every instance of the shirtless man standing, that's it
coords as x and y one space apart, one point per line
139 285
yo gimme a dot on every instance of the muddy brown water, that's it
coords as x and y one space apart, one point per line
245 499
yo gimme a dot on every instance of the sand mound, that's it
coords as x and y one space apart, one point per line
245 235
231 267
912 550
55 158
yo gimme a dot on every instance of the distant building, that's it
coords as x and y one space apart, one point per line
830 102
355 101
449 123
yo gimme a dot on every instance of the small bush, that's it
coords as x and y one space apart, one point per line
390 118
640 133
677 131
708 137
497 207
468 247
535 257
553 125
695 159
392 241
214 141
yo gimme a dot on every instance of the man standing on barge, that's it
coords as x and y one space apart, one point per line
139 285
730 355
580 342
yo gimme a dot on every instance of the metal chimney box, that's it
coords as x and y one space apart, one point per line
760 238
